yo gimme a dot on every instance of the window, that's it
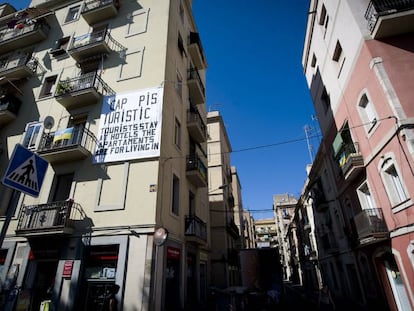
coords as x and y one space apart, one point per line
62 187
337 52
396 183
177 133
324 20
179 84
339 57
313 62
191 203
48 84
393 182
60 46
73 14
131 67
33 135
175 207
368 113
322 17
326 100
180 45
365 197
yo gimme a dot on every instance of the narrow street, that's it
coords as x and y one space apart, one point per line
295 298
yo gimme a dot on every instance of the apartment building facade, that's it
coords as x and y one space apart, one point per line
284 209
249 230
306 250
356 60
224 233
266 233
112 95
238 207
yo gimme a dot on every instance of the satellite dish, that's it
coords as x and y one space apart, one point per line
49 122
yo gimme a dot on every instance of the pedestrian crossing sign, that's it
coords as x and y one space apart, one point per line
25 172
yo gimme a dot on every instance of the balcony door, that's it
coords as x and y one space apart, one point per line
63 184
78 123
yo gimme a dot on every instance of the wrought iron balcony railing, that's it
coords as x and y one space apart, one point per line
9 107
196 125
10 64
370 223
97 42
99 10
194 75
350 159
381 8
196 170
96 4
195 227
23 34
86 81
196 50
66 138
9 103
49 218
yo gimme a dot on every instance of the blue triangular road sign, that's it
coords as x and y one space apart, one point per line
26 171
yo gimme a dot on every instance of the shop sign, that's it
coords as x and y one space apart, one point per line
67 268
173 253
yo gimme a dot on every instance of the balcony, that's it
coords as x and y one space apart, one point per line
196 170
66 145
370 226
90 44
196 87
390 17
232 229
196 126
9 107
320 202
81 91
16 67
48 219
196 51
22 35
350 160
195 229
96 11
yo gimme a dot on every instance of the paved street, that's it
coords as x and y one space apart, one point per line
294 298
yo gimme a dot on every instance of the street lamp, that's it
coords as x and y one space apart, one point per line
160 236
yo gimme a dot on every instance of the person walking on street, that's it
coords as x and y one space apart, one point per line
111 304
325 301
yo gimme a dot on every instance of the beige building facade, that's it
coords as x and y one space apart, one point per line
225 235
266 233
284 209
112 95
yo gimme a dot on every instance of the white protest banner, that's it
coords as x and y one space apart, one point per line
130 126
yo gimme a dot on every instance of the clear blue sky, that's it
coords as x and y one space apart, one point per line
255 80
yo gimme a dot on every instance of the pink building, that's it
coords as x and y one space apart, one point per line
359 64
